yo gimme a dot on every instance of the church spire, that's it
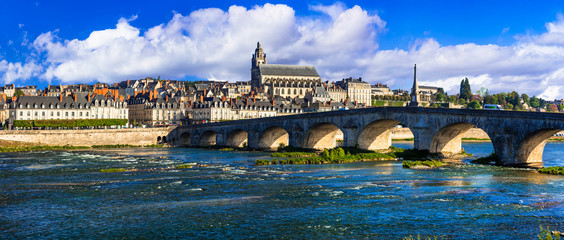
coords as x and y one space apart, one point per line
414 90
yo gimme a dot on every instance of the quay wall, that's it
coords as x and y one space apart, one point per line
88 137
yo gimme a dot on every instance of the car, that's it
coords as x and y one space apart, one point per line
492 107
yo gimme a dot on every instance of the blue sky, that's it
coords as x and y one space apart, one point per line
498 45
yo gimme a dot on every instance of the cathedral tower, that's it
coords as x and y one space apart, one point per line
259 57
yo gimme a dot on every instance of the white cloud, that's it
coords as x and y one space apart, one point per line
341 42
10 72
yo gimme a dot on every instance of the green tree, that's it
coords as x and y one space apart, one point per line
474 105
465 90
525 98
560 107
534 102
508 106
19 93
440 97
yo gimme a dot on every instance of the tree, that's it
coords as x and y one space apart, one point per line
542 103
19 93
560 107
465 90
440 97
534 102
552 108
508 106
525 98
474 105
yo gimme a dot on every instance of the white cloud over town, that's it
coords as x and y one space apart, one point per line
340 42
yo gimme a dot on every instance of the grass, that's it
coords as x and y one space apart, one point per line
39 148
487 160
183 166
426 163
112 170
546 234
227 149
476 139
293 154
336 155
402 139
14 146
552 170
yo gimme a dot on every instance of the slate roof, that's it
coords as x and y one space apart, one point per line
288 70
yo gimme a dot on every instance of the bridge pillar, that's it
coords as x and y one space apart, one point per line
296 138
221 139
422 135
253 139
350 137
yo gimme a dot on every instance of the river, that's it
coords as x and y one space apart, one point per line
63 194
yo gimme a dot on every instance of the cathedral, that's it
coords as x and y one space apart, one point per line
282 80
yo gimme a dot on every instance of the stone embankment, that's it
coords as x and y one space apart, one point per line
89 137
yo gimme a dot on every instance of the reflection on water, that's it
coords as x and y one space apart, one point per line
64 195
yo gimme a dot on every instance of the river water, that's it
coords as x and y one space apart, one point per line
56 194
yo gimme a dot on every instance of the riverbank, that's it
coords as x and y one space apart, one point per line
15 146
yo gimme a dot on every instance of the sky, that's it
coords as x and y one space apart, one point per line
499 45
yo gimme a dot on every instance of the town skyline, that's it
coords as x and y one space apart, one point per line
189 43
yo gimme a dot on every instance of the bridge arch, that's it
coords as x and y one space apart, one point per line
184 139
273 137
208 138
237 138
323 136
448 139
377 135
531 148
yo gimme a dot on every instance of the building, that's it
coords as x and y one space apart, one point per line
77 106
282 80
357 90
148 108
381 90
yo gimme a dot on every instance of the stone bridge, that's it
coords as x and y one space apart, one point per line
518 138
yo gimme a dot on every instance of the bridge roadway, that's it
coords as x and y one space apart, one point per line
518 138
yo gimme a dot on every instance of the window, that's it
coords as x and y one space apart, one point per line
21 113
58 114
72 114
66 114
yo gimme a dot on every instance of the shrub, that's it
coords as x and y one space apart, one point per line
428 163
487 160
184 166
260 162
552 170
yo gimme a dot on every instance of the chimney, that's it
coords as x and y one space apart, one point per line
254 100
89 97
223 99
74 96
14 98
135 93
166 98
201 98
127 82
60 97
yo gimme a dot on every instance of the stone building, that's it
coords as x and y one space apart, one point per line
77 106
282 80
150 109
357 90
